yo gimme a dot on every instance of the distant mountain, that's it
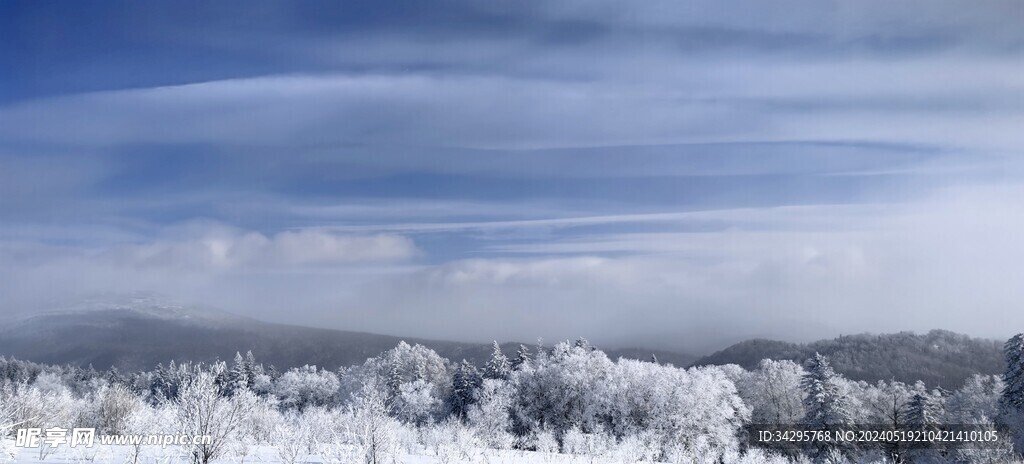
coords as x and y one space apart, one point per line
663 356
138 333
938 358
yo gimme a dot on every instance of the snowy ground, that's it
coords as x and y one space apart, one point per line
122 454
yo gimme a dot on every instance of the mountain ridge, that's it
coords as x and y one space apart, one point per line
139 332
938 357
140 335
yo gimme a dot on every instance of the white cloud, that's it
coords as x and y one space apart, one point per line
920 74
253 250
950 262
685 101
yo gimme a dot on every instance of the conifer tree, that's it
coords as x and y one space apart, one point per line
114 377
1013 377
251 368
522 358
160 387
825 404
465 380
221 377
238 377
393 383
925 410
498 366
1011 402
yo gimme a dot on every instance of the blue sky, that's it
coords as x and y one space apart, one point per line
656 173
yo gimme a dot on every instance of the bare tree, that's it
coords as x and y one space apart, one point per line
203 411
376 430
115 405
293 435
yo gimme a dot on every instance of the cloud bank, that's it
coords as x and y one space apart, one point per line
678 175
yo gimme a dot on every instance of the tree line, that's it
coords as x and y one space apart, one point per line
569 398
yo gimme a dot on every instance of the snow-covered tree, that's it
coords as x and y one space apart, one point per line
167 381
393 370
159 387
643 447
522 357
293 437
465 380
251 368
146 420
701 415
825 404
1012 400
306 386
451 442
343 443
34 407
772 391
1013 378
886 403
925 410
203 410
415 402
596 444
976 402
489 416
393 382
113 406
575 387
374 429
412 362
557 391
8 421
543 441
498 366
240 375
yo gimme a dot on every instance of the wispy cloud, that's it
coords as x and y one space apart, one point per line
254 250
600 168
792 103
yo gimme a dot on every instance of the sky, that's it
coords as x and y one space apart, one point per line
664 174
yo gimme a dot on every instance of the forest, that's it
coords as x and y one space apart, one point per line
544 404
939 357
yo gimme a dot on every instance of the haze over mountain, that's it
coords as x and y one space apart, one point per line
137 332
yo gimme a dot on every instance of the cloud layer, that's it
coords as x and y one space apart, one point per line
651 173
